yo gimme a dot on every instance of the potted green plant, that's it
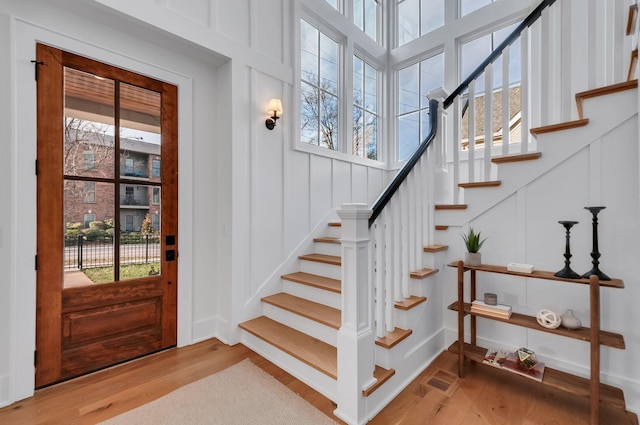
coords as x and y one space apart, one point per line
473 242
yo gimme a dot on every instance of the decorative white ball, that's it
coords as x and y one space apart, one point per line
548 319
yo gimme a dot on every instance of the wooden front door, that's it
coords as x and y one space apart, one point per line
107 215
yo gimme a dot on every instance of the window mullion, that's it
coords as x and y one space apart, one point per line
346 93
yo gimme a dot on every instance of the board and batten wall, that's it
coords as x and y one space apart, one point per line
248 198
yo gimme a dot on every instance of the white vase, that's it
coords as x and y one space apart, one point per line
570 321
472 258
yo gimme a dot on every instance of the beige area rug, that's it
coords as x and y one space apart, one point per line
240 394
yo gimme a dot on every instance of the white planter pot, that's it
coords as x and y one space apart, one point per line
472 259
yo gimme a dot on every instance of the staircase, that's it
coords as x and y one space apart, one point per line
300 323
303 324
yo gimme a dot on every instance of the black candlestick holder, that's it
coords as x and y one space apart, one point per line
567 272
595 254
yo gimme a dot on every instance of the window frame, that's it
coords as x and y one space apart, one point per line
349 42
86 223
379 109
396 86
87 192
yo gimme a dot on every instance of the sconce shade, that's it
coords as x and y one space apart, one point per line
275 107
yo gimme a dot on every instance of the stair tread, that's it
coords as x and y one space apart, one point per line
559 127
422 274
516 158
601 91
451 206
311 351
409 303
327 239
392 339
382 375
320 313
335 224
441 227
471 185
321 282
435 248
323 258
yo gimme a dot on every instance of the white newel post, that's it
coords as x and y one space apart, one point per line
356 337
442 184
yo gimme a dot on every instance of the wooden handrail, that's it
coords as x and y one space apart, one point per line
527 22
388 193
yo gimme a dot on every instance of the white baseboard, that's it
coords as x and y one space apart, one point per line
204 329
4 391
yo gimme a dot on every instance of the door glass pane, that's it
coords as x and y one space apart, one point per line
88 239
88 124
140 165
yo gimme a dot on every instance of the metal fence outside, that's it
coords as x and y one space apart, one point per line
83 253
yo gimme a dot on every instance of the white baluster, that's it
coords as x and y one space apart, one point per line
471 112
525 90
488 120
506 96
456 142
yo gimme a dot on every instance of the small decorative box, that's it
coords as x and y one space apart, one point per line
521 268
490 299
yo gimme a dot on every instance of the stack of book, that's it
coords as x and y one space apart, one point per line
509 361
499 311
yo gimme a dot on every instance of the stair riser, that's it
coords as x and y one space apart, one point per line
408 319
418 287
317 380
322 269
334 231
328 248
311 293
302 324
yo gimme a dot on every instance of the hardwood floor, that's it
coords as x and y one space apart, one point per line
437 397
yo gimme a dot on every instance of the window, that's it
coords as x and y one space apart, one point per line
89 192
416 18
414 83
155 197
468 6
89 160
155 168
128 223
333 3
128 167
365 110
318 87
473 52
128 195
155 221
365 16
88 218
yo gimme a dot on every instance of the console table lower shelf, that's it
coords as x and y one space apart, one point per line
609 396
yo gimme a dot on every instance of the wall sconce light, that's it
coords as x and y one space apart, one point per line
275 107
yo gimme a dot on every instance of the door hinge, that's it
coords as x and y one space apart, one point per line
36 167
35 357
36 262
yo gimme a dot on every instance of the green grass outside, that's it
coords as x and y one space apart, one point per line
129 271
